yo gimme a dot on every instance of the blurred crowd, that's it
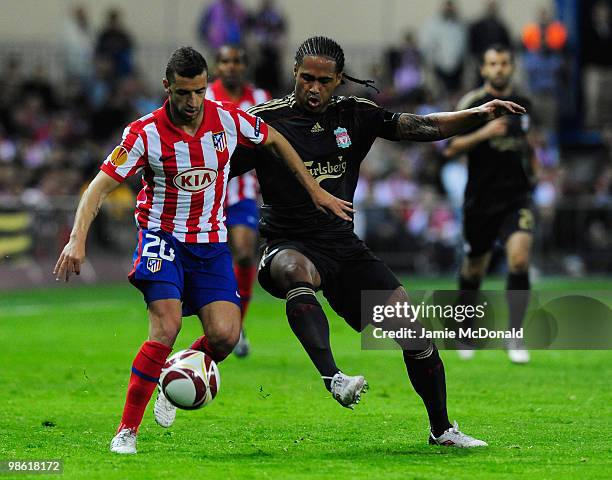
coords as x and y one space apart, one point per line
54 135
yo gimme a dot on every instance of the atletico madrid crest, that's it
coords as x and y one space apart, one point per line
219 141
154 264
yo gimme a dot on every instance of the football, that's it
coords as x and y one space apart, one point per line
190 379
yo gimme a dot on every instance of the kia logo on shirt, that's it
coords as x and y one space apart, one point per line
195 179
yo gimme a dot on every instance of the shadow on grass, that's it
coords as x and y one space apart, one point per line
317 452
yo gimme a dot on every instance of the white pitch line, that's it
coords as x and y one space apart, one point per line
36 309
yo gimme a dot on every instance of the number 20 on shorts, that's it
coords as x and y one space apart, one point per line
155 241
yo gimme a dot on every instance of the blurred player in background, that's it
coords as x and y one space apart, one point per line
182 264
307 251
241 201
498 204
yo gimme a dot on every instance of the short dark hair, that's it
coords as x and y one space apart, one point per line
232 46
499 48
186 62
321 47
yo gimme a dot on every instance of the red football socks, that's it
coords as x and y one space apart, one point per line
203 345
245 276
146 369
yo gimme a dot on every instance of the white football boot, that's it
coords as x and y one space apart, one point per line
453 437
517 351
347 390
466 354
243 347
164 411
124 442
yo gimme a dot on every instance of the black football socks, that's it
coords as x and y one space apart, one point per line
468 290
468 294
309 324
426 372
517 300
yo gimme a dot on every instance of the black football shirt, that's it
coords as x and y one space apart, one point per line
499 169
332 145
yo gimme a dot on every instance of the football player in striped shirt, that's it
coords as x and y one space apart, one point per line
241 200
182 264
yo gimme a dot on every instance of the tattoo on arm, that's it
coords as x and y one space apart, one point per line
418 128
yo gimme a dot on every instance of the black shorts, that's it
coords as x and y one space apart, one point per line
346 266
482 229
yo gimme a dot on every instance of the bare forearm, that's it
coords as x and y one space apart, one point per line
463 143
456 123
73 254
90 204
293 161
420 128
437 126
322 199
88 209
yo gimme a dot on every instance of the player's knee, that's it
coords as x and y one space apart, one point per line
518 260
472 273
293 272
518 263
165 332
243 244
244 257
223 338
164 322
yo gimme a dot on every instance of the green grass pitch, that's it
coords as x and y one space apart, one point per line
66 354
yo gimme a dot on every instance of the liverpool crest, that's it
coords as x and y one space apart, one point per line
342 137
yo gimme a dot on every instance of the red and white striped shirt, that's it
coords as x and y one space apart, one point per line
244 186
184 177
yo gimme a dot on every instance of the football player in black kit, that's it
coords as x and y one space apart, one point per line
306 250
501 166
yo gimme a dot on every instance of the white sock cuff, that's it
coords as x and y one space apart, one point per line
425 353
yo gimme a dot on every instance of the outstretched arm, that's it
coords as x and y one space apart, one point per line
438 126
73 253
464 143
321 198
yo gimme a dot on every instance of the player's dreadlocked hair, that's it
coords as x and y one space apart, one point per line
186 62
326 47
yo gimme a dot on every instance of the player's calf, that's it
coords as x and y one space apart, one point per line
223 345
309 324
146 369
214 349
426 372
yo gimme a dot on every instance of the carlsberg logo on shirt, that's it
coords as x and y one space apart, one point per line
325 170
